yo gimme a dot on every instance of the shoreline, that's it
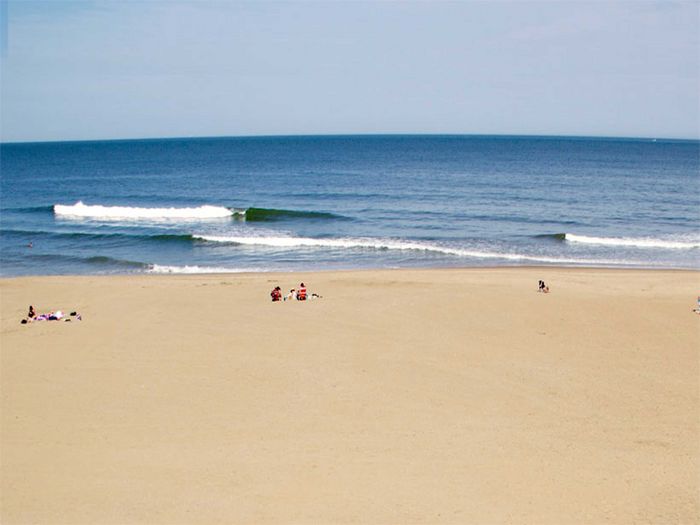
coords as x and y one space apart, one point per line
402 395
361 270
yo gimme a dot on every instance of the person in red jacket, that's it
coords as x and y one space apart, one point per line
276 294
301 292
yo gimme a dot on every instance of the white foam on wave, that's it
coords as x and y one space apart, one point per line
80 209
388 244
633 242
157 268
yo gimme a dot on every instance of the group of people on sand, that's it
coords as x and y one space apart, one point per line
300 294
51 316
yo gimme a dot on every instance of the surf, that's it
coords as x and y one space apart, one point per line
207 211
82 210
165 269
632 242
291 243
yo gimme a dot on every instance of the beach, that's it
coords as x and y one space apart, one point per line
400 396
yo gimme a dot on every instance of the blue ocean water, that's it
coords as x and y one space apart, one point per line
345 202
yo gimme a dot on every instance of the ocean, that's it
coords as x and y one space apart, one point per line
256 204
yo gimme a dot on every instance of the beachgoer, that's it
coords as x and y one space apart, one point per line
291 295
45 317
276 293
301 294
51 316
543 287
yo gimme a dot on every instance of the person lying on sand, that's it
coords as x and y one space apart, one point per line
52 316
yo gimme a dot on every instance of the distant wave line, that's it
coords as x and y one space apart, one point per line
29 209
31 234
99 260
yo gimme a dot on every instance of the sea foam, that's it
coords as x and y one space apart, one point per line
157 268
634 242
391 244
80 209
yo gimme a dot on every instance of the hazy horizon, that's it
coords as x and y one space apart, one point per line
103 70
379 135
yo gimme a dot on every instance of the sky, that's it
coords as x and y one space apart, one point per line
84 70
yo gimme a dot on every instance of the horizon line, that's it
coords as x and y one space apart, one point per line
340 135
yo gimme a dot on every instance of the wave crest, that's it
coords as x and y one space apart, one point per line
83 210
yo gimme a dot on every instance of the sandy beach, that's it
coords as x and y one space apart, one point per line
400 396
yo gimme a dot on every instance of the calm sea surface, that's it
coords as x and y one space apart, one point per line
344 202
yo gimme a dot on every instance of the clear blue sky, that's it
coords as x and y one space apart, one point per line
132 69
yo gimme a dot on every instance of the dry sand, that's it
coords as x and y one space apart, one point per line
436 396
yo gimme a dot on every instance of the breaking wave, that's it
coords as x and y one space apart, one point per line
80 209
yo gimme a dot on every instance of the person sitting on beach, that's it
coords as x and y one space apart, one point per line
32 312
291 295
276 294
301 294
543 287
